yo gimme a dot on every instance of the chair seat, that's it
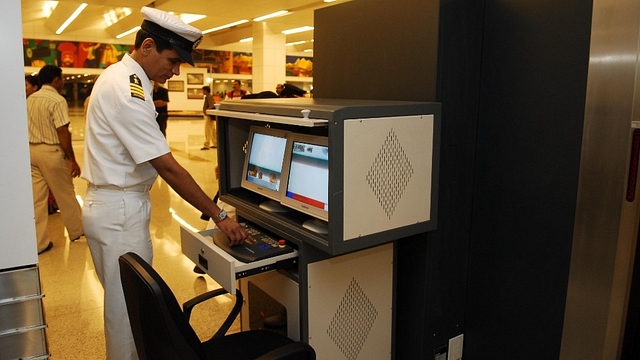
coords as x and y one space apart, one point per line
234 346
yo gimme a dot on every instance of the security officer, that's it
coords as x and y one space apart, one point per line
124 152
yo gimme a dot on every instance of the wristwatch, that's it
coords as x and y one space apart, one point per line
221 216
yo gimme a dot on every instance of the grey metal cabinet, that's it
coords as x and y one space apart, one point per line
22 320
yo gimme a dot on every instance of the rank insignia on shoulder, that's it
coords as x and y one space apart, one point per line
135 85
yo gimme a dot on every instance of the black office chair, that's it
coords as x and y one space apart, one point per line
161 329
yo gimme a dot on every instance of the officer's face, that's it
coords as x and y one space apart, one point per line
160 67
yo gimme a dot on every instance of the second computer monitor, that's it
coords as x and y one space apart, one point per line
306 184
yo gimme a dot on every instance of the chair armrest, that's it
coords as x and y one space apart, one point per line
187 307
288 350
237 306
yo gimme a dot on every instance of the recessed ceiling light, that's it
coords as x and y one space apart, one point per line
114 15
48 8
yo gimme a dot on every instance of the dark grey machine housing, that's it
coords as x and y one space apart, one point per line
395 144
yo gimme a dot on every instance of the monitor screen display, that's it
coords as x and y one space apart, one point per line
307 175
264 160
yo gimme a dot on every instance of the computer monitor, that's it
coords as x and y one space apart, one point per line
306 184
263 164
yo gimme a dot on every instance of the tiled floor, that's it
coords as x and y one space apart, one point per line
73 295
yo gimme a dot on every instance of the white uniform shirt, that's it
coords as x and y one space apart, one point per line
122 134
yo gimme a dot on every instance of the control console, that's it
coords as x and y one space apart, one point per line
266 245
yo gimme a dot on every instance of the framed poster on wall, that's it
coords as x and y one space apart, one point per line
175 85
195 79
195 93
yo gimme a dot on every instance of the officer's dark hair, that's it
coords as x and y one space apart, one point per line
207 89
48 73
161 44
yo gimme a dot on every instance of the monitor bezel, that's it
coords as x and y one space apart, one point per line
266 192
315 212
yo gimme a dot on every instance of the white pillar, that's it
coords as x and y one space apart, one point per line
269 58
16 216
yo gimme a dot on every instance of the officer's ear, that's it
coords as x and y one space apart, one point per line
147 46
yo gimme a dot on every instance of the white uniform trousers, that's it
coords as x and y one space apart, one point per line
116 222
50 171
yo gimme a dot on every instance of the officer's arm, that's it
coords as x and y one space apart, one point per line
184 184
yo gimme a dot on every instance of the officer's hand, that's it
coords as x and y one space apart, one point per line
236 233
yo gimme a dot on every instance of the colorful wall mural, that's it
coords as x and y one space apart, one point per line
72 54
38 53
299 66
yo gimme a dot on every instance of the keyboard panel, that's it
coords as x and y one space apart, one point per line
266 246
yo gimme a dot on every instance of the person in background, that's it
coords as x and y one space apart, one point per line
161 100
53 163
279 89
210 133
85 104
125 151
237 92
31 84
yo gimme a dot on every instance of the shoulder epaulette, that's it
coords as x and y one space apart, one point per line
136 87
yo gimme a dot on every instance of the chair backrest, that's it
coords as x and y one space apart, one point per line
160 329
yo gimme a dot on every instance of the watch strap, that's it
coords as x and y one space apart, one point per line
221 216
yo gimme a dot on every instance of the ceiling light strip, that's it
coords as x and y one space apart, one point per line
189 18
272 15
225 26
128 32
297 30
71 18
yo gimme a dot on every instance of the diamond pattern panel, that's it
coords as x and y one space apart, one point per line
390 173
353 321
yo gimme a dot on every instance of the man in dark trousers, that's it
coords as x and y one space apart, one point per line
161 100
